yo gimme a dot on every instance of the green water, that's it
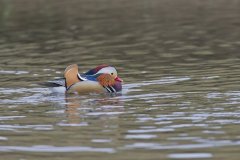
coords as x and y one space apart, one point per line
180 64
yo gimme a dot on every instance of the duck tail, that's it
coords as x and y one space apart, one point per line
60 82
71 75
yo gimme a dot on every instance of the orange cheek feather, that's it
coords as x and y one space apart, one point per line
106 80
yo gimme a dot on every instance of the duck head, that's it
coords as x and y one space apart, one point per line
107 77
105 69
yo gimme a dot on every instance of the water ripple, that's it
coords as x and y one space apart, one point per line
13 72
35 127
189 155
157 146
52 149
2 118
162 81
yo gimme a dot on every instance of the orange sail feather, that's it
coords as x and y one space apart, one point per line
70 75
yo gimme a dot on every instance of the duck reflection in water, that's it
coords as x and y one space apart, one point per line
98 106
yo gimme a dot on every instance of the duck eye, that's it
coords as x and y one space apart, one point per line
111 73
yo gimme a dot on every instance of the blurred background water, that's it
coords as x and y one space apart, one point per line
179 60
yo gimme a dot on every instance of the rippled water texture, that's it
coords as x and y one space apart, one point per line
179 60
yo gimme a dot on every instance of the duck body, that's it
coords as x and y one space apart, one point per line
102 79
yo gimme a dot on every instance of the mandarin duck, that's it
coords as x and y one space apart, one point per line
101 79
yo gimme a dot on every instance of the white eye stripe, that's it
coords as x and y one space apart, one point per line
108 70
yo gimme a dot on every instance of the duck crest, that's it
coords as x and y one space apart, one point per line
70 75
95 70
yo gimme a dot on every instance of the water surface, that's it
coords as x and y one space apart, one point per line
179 60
